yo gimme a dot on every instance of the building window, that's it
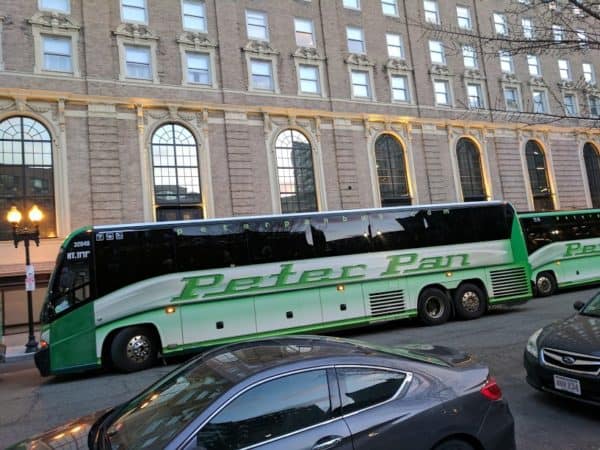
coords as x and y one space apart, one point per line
475 95
558 33
304 33
26 172
261 74
295 173
463 15
469 57
389 7
257 26
511 99
533 62
570 103
351 4
592 167
527 25
355 39
198 68
506 62
400 88
500 26
564 70
588 73
138 62
63 6
309 79
594 106
58 53
441 89
538 177
194 15
432 12
176 175
469 168
437 52
134 11
395 46
391 172
539 101
361 87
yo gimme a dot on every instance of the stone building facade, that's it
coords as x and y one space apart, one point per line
389 115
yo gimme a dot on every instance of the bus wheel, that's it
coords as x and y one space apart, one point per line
469 301
133 349
433 307
545 284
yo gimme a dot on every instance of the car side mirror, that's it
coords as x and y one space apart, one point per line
578 305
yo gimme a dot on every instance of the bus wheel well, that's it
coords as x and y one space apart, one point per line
476 281
466 438
106 345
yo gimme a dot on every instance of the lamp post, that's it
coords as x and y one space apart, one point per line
27 233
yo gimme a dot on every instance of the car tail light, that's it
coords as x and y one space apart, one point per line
491 390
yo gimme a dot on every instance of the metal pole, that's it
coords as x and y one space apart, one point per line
31 345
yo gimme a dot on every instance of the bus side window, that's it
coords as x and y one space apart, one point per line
279 240
344 235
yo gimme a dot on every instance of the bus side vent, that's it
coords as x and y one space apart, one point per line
384 303
509 282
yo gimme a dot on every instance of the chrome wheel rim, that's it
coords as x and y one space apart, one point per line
138 348
470 302
544 285
434 307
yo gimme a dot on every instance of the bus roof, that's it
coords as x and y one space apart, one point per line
290 215
571 212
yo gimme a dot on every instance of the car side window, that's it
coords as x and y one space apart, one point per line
267 411
361 387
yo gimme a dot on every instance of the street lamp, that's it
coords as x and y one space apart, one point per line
27 233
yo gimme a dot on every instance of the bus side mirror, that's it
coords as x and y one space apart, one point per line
578 305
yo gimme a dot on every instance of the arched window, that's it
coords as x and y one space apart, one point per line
177 194
26 172
592 167
295 172
469 167
538 177
391 171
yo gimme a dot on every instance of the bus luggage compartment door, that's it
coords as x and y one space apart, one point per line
288 310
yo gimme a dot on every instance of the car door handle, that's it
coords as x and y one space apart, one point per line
331 443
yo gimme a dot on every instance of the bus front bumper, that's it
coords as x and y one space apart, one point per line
42 361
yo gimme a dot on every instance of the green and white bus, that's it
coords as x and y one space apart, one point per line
564 248
123 295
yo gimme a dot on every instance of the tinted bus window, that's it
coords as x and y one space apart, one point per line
279 240
397 230
341 235
126 257
202 247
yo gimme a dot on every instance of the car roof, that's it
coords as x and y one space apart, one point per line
244 359
255 356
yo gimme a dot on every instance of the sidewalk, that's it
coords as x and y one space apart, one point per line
15 347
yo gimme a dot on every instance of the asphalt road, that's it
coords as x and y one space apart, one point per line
30 404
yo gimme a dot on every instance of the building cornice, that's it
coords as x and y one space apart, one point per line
32 97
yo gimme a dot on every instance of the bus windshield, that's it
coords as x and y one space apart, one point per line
70 283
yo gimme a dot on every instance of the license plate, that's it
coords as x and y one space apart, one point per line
567 384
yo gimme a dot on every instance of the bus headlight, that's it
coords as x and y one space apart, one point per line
532 344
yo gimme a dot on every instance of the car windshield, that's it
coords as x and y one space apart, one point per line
154 417
593 307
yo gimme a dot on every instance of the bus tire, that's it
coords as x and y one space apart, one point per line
133 349
470 301
433 307
545 284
